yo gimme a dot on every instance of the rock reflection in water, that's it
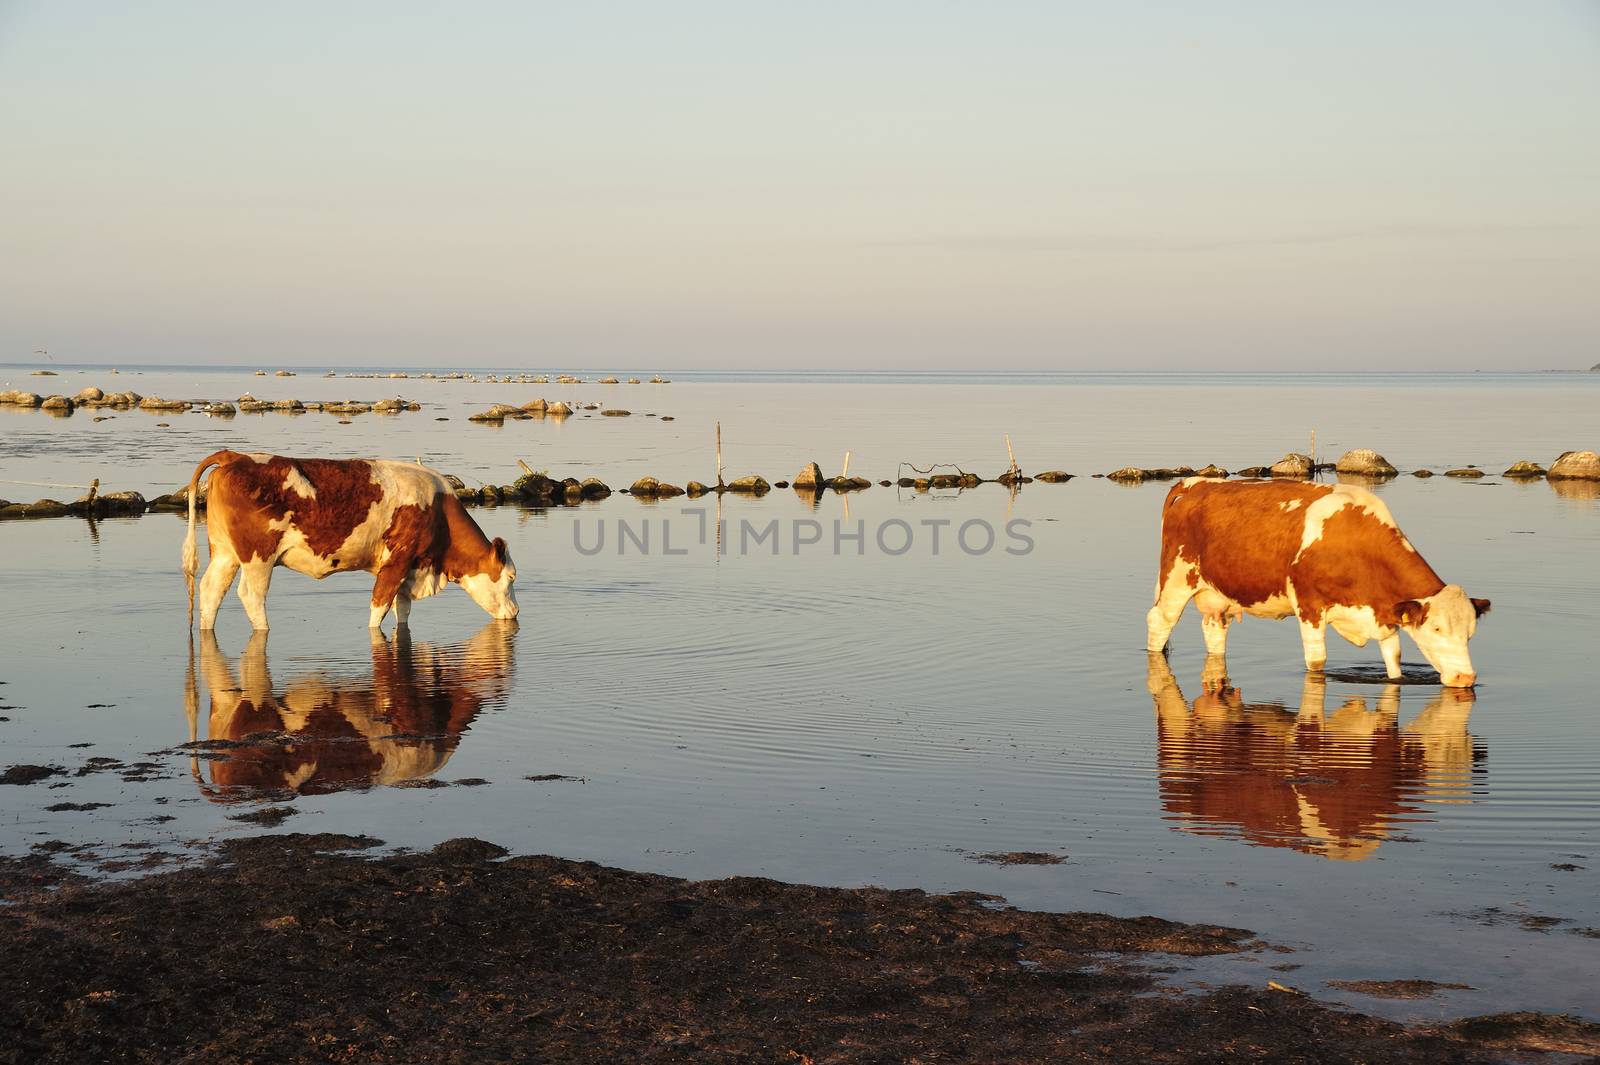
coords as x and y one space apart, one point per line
1331 784
322 732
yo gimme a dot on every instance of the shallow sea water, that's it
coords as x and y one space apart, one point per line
863 715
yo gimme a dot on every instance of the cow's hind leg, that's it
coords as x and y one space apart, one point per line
255 579
1215 614
214 585
1314 638
1171 597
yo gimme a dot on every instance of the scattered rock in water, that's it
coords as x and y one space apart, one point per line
1404 989
1020 858
838 484
56 403
1366 462
667 491
89 395
1255 471
695 489
608 380
754 484
267 817
810 476
1465 472
1523 469
633 380
19 398
616 413
536 406
43 508
1127 475
1576 465
29 774
1422 473
645 486
1053 476
497 413
558 409
668 418
1294 464
45 373
594 488
158 404
784 484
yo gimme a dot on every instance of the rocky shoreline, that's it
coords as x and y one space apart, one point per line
298 948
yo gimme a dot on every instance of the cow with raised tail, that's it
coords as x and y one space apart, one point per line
1330 555
397 520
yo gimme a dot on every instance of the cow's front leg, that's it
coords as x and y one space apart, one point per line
1314 638
255 579
387 589
402 608
1389 646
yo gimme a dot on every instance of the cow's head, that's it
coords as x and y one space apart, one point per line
489 582
1441 625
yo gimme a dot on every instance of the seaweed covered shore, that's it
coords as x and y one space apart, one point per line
301 948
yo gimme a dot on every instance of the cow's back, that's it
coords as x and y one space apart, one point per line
1241 536
268 504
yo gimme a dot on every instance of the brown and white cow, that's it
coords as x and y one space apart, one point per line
398 520
1331 555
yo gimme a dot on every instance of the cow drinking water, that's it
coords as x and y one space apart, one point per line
1330 555
397 520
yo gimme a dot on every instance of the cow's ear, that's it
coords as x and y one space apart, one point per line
499 546
1409 611
1480 607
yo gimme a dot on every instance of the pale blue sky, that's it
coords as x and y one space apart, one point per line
756 185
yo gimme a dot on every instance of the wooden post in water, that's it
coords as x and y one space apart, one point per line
719 455
1013 454
846 471
1313 451
94 490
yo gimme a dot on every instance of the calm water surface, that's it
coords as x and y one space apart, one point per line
866 714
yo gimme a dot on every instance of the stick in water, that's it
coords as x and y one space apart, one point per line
719 454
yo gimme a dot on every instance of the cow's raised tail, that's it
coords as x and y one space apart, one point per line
191 555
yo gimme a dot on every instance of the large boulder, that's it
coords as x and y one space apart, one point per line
809 477
535 406
1365 461
558 409
497 413
1293 464
1576 466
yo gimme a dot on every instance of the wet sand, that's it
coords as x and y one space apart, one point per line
299 948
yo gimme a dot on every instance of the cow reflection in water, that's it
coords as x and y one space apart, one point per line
1332 784
322 732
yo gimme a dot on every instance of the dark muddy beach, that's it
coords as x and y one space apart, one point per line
299 948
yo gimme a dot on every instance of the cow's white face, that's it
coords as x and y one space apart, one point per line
1441 625
495 596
